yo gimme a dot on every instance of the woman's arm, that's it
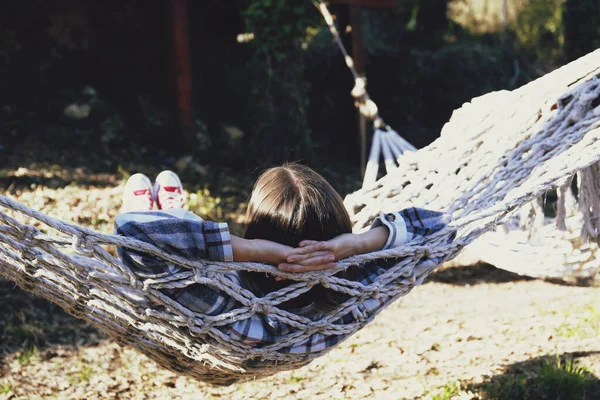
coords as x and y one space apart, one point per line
301 259
387 231
184 234
265 251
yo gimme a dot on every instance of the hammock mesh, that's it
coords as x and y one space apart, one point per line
497 153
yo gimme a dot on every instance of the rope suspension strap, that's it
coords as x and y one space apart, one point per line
364 104
386 141
391 145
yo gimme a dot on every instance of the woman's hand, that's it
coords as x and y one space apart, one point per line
311 255
268 252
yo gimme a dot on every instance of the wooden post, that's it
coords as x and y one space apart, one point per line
357 43
358 54
182 72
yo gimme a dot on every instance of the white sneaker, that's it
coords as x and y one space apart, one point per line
168 191
137 195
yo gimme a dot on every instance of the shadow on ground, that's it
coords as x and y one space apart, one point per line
33 325
471 275
546 377
483 273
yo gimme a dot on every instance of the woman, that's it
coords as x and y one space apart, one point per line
290 206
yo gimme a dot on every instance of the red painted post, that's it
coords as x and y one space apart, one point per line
182 71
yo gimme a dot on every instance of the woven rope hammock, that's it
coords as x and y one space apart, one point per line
497 153
528 244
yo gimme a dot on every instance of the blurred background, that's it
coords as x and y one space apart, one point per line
265 80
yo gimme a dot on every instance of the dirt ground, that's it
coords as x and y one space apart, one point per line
469 332
483 324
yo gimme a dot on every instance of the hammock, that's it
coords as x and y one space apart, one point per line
532 243
497 153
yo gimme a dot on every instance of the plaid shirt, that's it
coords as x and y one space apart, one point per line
185 234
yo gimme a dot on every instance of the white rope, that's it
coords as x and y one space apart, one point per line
389 144
389 140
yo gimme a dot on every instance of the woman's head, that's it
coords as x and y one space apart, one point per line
292 203
289 204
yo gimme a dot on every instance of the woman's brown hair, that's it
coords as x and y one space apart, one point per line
289 204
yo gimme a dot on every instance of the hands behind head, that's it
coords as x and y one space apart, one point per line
311 255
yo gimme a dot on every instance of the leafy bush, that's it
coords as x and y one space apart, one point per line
563 379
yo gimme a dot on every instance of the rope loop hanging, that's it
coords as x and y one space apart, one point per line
364 104
386 141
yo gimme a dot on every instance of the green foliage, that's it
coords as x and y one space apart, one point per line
27 355
81 375
539 28
554 378
295 378
204 204
279 24
123 173
508 387
278 102
563 379
25 331
6 388
582 322
449 391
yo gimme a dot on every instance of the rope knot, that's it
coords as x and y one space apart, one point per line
29 255
82 244
321 327
27 235
367 107
201 277
360 87
197 326
260 306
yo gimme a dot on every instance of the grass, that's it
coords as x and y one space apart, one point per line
25 331
508 387
295 379
82 375
554 378
581 322
6 388
26 356
448 391
564 379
